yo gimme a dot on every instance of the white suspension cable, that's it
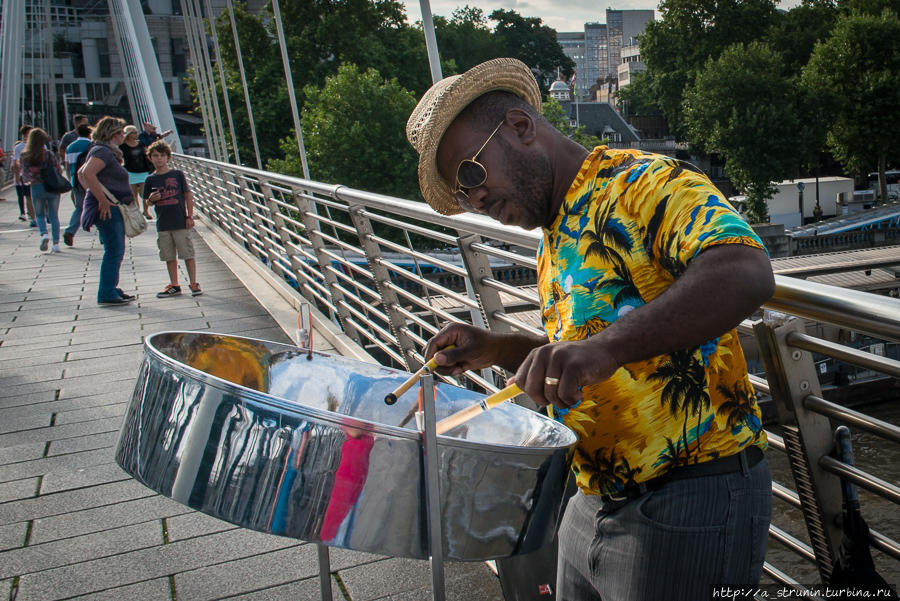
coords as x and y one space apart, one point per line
240 61
215 37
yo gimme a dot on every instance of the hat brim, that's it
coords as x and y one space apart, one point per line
445 101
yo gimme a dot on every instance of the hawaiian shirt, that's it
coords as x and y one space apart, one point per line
628 227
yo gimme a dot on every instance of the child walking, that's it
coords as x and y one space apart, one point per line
167 191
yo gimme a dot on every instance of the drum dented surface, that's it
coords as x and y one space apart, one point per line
257 434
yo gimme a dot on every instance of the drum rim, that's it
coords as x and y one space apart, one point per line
330 417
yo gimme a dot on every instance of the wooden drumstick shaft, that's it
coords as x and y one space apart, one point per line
486 404
391 398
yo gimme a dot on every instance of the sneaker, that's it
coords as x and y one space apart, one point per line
114 301
170 290
45 242
195 290
33 223
68 238
56 248
23 217
121 293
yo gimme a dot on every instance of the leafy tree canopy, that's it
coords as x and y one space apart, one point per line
691 32
857 72
758 135
354 130
533 43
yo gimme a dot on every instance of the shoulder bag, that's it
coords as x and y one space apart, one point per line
135 222
52 179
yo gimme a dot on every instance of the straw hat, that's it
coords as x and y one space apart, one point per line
130 129
444 101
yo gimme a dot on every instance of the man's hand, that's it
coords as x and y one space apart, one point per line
475 348
569 366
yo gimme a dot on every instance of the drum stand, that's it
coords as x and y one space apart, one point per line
426 421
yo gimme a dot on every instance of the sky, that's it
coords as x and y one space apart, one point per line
561 15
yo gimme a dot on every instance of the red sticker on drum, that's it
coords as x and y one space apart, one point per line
544 589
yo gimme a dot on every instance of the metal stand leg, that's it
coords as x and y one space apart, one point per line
432 488
324 572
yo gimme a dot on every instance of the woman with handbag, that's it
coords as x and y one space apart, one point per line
102 174
38 167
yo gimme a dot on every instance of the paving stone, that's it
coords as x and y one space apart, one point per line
249 574
147 564
410 580
59 463
104 440
158 589
30 331
72 500
12 535
37 558
59 407
26 398
83 415
306 589
50 358
102 365
194 524
96 426
85 476
13 423
18 489
124 513
22 452
125 351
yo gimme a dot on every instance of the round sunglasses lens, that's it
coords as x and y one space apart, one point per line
470 174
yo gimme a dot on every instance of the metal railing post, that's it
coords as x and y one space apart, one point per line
479 267
307 215
808 436
382 277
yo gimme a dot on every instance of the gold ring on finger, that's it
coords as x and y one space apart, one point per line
551 381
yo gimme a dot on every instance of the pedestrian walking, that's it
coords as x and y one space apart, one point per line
23 191
168 192
102 174
73 151
35 159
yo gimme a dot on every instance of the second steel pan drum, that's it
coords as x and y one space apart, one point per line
260 435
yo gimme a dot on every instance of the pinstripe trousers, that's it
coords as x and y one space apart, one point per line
674 543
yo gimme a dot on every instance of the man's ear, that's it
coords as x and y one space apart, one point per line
523 124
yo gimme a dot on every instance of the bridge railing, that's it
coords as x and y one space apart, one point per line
391 272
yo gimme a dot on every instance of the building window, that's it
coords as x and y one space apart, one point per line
168 86
179 60
103 56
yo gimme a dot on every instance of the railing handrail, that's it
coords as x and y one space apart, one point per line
851 309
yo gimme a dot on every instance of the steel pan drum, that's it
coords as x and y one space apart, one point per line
259 435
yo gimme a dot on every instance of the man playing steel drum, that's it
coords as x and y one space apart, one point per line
644 272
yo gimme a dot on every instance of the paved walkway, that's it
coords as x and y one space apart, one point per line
73 525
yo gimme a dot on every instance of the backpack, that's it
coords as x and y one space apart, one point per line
79 161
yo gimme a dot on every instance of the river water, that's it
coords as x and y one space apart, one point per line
872 454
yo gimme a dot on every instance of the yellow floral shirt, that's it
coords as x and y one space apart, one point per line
629 225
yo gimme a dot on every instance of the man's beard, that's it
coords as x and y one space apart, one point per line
532 196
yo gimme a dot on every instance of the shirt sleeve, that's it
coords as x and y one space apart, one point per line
691 215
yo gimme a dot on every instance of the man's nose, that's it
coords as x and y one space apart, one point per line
477 197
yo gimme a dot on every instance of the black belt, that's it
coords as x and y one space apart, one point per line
743 460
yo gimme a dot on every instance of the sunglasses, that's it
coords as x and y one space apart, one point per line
471 174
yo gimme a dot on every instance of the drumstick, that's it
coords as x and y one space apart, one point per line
392 397
487 403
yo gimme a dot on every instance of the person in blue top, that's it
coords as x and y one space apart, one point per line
73 149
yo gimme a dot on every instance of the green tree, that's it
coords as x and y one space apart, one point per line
533 43
558 118
743 107
857 72
354 132
465 40
676 48
795 33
